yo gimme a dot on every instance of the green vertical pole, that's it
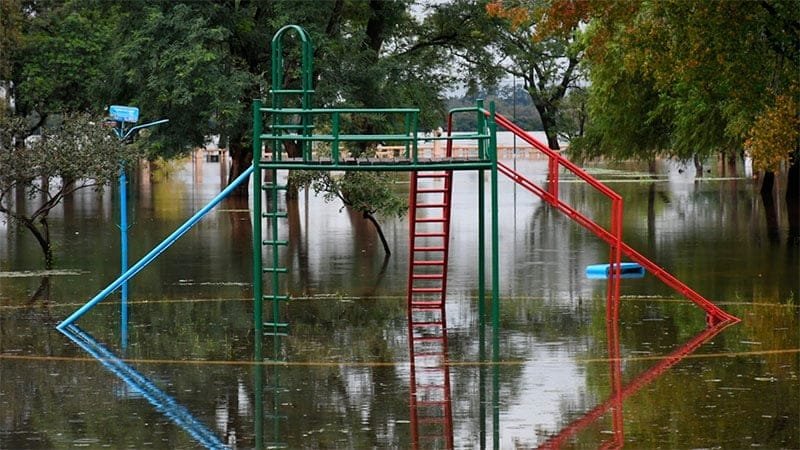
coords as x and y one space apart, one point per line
495 226
495 404
481 250
481 223
481 348
258 322
415 124
276 285
407 131
495 275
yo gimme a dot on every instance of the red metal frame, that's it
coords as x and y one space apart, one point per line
613 236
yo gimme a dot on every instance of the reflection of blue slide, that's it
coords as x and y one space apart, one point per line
138 382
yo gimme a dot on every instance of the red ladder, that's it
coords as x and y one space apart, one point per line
429 236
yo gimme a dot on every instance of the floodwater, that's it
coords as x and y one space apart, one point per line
187 375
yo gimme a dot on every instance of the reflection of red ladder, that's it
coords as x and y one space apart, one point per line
429 235
430 401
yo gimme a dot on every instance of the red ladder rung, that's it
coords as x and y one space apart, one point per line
426 305
427 276
431 420
429 249
430 219
428 354
429 263
428 339
426 290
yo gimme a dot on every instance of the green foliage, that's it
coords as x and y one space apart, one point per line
686 78
59 63
368 192
78 149
176 63
10 35
776 129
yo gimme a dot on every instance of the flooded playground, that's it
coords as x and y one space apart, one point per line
186 376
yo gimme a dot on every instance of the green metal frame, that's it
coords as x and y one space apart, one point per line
297 124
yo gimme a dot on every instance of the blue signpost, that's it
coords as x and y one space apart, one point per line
123 115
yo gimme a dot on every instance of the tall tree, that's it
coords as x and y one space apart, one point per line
504 40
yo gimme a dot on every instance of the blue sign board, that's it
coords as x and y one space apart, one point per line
124 113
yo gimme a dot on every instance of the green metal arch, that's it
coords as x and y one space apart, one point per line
306 51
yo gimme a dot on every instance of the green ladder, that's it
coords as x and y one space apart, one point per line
266 208
281 124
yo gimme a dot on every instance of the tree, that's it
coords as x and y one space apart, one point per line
548 66
200 63
76 154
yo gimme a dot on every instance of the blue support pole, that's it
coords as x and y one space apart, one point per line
122 135
123 239
166 243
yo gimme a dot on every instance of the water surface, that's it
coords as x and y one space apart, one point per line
186 377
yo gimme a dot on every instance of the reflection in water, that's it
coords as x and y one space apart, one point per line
274 416
141 384
430 402
552 332
620 393
431 414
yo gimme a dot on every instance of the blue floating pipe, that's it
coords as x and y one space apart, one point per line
627 270
166 243
143 385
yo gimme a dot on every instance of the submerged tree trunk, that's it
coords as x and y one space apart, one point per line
371 218
651 166
42 292
698 166
768 184
793 199
241 159
42 238
770 211
730 162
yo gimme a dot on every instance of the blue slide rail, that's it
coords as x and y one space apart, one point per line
155 252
